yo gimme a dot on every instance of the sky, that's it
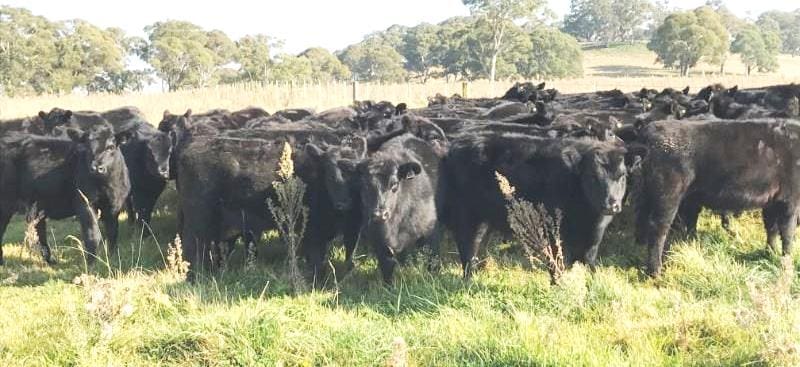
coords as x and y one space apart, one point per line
332 24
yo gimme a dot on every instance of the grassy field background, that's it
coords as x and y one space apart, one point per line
723 300
627 67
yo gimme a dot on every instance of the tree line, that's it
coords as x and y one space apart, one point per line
500 39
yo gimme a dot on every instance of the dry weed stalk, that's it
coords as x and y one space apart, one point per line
290 214
174 260
31 240
110 302
535 229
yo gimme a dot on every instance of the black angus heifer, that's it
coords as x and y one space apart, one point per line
224 182
721 165
57 175
145 149
402 197
147 153
584 178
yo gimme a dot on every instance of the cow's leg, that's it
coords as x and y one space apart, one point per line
787 223
386 262
351 237
195 225
145 202
435 242
111 225
4 219
725 221
688 213
665 199
89 229
41 231
770 215
469 233
598 231
131 210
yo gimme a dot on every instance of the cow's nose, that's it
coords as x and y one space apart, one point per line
616 208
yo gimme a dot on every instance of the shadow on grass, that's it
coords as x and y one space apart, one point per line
627 71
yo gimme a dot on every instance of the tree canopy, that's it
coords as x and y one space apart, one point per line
758 48
500 39
685 38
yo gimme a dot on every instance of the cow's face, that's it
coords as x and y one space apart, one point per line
99 148
381 183
603 177
159 149
176 124
339 165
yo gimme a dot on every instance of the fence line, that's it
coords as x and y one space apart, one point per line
327 94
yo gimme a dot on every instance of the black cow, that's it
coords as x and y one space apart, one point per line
57 175
147 153
526 92
402 197
224 182
583 178
721 165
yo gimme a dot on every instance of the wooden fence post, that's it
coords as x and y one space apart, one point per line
464 90
355 91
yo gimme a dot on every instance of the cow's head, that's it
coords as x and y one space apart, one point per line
339 165
56 117
175 123
381 180
99 146
603 174
158 152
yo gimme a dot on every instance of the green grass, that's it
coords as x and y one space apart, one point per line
721 302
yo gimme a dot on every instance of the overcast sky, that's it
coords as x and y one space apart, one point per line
332 24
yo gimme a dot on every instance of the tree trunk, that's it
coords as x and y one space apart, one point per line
493 70
748 69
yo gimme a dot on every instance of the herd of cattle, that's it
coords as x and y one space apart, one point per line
395 178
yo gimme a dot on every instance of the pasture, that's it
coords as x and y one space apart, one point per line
723 298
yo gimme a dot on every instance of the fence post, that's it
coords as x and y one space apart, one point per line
355 91
464 89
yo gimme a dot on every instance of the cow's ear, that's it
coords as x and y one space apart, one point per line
188 113
686 91
166 114
68 114
42 114
571 157
408 171
541 86
733 90
314 151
